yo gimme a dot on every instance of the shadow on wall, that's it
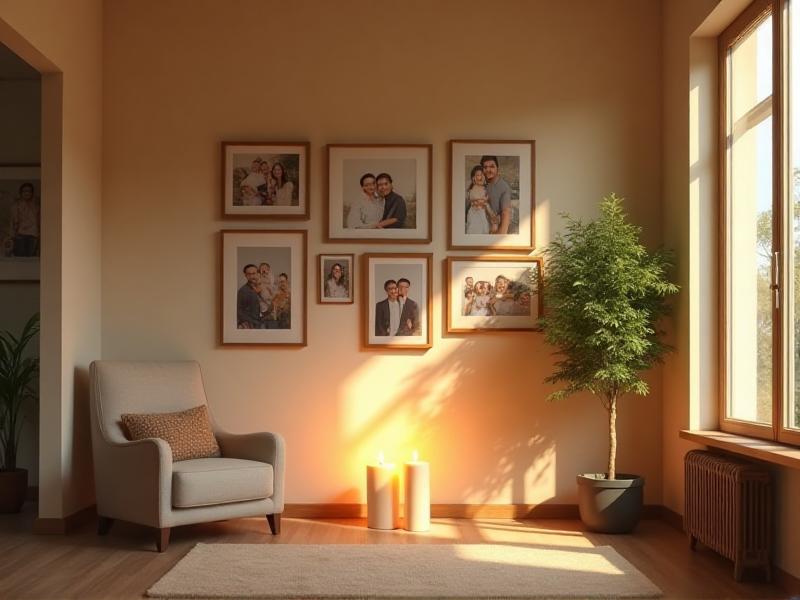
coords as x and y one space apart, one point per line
468 413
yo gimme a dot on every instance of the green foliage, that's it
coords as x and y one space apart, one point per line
18 374
604 296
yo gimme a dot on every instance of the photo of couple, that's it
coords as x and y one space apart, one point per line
503 297
268 180
397 300
379 192
19 220
377 206
492 198
397 314
263 300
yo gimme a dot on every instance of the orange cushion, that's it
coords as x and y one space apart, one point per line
187 432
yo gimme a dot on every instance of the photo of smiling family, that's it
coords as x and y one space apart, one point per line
492 195
379 193
398 290
262 179
493 293
263 296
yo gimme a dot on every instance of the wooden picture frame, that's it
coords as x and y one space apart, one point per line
505 294
328 291
251 185
478 211
250 312
414 321
20 223
403 215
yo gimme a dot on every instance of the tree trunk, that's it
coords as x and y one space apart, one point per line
612 437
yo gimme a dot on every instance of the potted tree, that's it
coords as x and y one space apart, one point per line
604 296
18 375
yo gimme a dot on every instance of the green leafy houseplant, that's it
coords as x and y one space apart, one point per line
18 375
604 296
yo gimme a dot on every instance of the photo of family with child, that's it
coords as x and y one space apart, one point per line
266 180
492 195
501 296
264 300
263 287
492 199
493 293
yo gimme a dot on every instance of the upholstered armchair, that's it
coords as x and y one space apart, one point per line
138 481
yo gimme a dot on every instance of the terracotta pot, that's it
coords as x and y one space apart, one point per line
610 505
13 489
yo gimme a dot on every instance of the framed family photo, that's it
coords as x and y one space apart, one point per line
265 179
379 193
492 186
397 300
494 293
335 278
20 223
263 287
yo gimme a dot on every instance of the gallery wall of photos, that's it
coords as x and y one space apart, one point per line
379 193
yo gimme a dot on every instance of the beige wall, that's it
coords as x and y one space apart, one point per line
64 42
361 71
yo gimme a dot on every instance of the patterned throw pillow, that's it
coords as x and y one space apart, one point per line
187 432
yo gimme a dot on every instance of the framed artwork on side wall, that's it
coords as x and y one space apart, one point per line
20 223
492 187
397 300
493 293
263 296
379 193
335 278
265 179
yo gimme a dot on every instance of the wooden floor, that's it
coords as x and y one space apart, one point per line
124 564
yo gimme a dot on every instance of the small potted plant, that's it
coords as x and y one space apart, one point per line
18 374
604 297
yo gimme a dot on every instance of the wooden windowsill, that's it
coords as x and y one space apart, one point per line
768 451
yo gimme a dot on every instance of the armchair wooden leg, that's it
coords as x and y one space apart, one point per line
104 525
274 523
162 539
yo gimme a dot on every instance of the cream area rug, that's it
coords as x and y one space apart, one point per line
401 571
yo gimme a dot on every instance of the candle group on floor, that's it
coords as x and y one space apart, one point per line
383 495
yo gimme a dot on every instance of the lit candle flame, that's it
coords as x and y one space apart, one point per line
414 456
380 458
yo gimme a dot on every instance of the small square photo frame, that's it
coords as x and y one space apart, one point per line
394 317
265 179
263 287
379 193
492 195
335 278
499 293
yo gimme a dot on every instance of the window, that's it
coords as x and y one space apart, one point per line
760 218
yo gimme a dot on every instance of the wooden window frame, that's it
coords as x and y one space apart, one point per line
751 17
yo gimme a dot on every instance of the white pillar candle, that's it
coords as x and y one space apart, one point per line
418 495
383 496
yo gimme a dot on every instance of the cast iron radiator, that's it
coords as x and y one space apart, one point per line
729 509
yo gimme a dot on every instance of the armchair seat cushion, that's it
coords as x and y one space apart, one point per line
209 481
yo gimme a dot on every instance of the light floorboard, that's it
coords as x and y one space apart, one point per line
123 564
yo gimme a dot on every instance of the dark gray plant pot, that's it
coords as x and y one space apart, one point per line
610 505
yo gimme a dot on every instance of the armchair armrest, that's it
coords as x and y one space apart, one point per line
263 447
134 480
